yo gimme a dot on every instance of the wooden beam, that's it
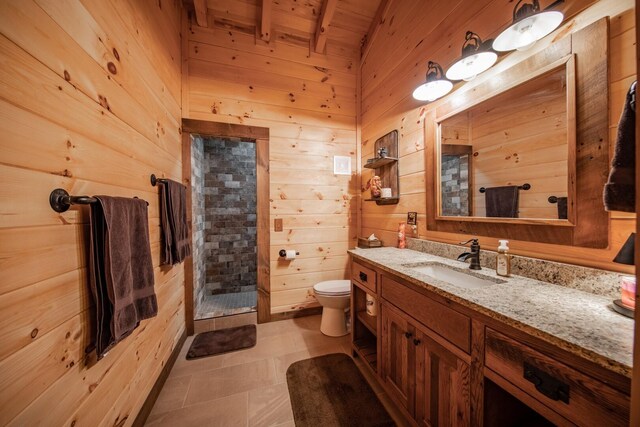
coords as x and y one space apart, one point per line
328 9
377 21
265 23
201 12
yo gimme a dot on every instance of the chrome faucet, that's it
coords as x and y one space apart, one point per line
474 255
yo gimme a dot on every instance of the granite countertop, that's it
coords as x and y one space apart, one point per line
577 321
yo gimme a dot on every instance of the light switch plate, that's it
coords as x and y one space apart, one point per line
277 224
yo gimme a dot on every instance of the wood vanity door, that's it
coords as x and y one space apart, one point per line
398 357
442 385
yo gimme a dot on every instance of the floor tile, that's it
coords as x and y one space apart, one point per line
270 406
230 380
231 411
226 304
172 394
235 320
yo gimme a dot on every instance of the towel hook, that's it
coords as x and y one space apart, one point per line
60 200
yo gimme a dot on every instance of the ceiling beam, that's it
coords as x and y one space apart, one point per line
201 12
265 23
377 21
328 9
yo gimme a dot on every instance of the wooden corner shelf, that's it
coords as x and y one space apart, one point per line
378 162
368 351
387 168
384 200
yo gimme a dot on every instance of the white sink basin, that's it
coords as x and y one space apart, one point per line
453 276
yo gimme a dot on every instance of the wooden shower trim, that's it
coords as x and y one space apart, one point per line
260 136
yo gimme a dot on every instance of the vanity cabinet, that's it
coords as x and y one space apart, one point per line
428 380
445 364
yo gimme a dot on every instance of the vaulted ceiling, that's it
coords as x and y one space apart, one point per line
335 27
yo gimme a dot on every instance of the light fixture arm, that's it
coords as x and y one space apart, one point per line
472 43
434 72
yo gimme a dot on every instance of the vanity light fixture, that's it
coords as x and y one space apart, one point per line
530 24
477 57
436 85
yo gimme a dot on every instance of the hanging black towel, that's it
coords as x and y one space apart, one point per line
620 190
173 221
562 208
502 202
121 269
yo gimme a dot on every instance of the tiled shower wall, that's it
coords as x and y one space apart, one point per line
455 185
198 219
230 215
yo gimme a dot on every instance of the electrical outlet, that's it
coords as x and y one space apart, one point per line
277 224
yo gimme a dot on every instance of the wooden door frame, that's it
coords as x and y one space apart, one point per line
260 136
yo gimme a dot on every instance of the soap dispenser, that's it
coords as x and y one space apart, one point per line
503 263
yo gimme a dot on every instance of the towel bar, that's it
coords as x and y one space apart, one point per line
155 180
60 200
525 186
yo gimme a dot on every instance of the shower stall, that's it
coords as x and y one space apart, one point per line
223 183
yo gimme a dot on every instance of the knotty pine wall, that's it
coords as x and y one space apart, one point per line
90 101
308 103
415 32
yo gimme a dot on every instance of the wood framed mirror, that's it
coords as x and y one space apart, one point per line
499 157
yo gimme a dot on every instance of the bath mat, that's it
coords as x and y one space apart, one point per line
222 341
330 391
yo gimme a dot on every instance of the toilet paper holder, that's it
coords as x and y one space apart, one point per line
283 253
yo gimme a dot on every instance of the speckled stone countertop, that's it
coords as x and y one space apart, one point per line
579 322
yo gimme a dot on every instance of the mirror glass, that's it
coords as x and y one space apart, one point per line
508 156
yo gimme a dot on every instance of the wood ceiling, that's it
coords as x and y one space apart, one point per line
333 27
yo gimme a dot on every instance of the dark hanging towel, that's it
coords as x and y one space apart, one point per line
562 208
173 221
620 190
121 270
502 202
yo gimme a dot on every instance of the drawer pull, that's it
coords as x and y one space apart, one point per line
546 384
363 276
408 335
416 342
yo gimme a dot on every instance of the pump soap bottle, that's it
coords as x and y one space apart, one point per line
503 263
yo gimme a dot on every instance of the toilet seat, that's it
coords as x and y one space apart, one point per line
333 288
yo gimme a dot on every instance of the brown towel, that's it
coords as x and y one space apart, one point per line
562 207
620 190
121 275
502 202
173 221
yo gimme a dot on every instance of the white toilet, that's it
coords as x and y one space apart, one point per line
334 296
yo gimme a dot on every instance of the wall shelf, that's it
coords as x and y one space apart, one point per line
379 162
386 168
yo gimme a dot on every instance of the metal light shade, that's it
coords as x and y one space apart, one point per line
529 25
477 57
436 85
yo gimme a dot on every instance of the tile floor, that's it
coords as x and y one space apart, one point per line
247 387
227 304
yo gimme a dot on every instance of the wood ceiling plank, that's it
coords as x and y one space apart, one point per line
265 23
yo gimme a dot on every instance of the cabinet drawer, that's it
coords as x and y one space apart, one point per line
364 275
446 322
579 398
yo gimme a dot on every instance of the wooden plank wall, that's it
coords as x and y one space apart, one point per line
90 101
307 101
532 149
396 64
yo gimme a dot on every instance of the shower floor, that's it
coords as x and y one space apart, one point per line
227 304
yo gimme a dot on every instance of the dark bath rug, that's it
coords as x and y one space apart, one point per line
222 341
330 391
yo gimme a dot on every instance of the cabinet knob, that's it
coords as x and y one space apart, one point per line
408 335
363 276
416 342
